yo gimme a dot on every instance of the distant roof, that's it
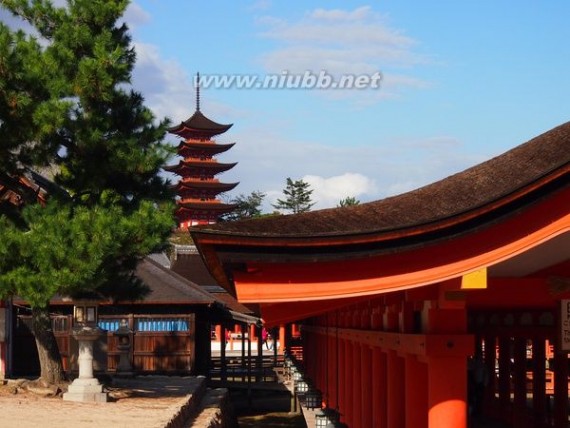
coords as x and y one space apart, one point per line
192 267
169 287
160 258
465 195
15 190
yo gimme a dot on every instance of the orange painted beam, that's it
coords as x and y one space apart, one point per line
281 313
513 292
423 345
278 282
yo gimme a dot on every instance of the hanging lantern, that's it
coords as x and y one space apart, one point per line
297 375
327 418
301 387
313 399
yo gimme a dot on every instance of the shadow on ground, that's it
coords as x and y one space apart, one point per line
265 409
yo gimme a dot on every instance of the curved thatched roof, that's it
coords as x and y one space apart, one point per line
467 194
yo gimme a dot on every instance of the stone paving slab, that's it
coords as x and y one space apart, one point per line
142 402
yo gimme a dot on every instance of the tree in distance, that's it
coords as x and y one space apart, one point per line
297 197
348 202
247 206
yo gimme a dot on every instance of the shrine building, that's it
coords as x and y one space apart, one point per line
198 188
397 298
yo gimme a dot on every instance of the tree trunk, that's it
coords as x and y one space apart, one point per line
48 351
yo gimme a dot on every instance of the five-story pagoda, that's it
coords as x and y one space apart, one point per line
198 188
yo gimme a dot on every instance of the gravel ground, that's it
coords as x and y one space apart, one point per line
146 402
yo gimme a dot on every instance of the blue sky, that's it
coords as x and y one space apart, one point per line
463 81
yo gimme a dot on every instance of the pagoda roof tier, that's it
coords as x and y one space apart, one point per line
205 206
205 185
188 167
188 147
198 125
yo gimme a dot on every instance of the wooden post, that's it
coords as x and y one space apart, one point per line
366 404
560 389
447 392
539 381
504 378
348 374
243 329
259 363
519 382
357 385
379 389
395 393
223 362
416 393
281 339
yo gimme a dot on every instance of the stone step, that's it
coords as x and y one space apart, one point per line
214 411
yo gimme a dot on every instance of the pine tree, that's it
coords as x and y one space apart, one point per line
67 103
348 201
297 197
248 206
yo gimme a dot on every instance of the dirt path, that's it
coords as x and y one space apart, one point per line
143 403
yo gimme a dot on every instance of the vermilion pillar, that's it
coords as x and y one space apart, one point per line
395 392
356 386
342 368
416 392
282 343
366 402
348 383
447 392
331 395
379 388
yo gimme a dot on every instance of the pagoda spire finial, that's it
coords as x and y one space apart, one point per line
198 91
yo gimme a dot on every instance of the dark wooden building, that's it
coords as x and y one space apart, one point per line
170 327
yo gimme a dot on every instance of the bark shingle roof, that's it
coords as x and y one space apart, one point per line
457 195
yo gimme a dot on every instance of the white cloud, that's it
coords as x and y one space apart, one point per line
342 42
166 86
135 16
260 5
327 192
341 15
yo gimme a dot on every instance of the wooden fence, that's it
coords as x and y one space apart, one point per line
159 344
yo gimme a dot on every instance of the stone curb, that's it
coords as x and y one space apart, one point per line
186 407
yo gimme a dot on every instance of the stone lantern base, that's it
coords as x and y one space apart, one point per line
85 390
86 387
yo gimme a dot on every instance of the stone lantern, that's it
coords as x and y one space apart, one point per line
123 335
85 387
